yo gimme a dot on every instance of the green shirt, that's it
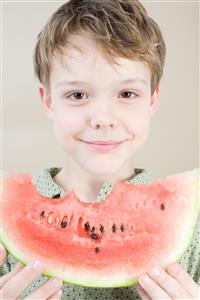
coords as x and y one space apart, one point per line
45 185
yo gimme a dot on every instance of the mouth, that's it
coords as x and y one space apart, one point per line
104 146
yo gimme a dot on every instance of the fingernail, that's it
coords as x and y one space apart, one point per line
155 272
173 269
38 265
144 280
56 282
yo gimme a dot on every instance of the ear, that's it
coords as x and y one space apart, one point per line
155 100
46 101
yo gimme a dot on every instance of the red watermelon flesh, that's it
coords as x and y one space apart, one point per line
106 244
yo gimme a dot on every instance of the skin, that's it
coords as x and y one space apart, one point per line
102 104
120 116
12 284
170 284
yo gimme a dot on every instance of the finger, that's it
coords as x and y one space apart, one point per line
183 278
142 293
3 255
9 275
172 287
152 288
15 286
56 296
46 290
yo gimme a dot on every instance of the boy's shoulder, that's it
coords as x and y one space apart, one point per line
45 184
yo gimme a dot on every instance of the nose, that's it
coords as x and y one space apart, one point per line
99 124
102 115
103 121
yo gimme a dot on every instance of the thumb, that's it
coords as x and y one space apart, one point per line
3 255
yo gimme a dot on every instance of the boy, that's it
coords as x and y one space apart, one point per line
99 64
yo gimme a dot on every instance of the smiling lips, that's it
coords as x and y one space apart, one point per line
104 146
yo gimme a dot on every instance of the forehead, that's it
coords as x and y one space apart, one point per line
83 57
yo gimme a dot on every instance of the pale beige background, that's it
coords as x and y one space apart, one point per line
28 141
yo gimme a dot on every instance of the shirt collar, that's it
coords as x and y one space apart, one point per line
46 186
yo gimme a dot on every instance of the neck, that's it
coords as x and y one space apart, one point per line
86 185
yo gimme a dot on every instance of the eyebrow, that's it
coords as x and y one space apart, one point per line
79 82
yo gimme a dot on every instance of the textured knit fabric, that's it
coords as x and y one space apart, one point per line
45 185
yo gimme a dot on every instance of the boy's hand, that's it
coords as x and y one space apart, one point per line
174 283
15 282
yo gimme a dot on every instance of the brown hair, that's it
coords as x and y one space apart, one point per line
121 27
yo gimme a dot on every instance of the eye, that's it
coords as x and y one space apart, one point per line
129 95
76 95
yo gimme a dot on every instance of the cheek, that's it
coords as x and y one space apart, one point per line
139 122
67 124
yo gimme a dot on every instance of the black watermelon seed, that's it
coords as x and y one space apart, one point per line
122 227
64 222
93 229
114 228
56 196
97 249
101 228
162 206
87 226
94 236
42 214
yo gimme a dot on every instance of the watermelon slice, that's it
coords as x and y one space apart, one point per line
106 244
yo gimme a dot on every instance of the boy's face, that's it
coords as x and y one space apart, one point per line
100 107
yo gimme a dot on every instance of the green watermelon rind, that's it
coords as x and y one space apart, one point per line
91 281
